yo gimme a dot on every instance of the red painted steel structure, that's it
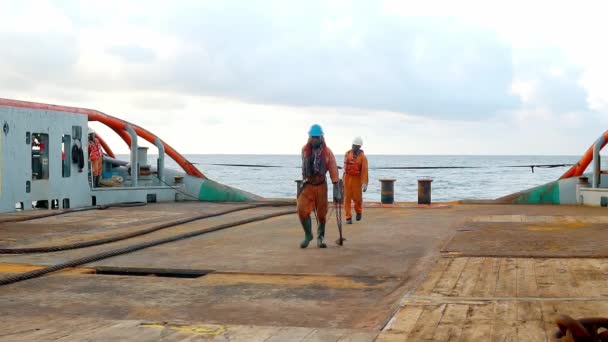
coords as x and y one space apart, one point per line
115 124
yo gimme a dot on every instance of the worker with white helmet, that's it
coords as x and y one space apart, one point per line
355 179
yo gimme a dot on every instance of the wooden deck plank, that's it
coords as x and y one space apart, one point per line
450 277
358 336
505 310
391 336
448 333
504 331
603 264
564 278
405 320
486 284
550 331
468 278
529 311
124 332
545 278
481 312
580 270
77 334
433 276
325 335
532 331
506 285
243 333
290 334
427 323
526 278
450 326
40 334
476 332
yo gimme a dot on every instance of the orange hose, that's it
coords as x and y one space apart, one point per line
105 146
124 135
580 167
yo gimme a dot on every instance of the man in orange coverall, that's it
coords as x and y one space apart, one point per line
317 160
96 157
355 179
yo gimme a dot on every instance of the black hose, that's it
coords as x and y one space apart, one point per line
133 248
119 237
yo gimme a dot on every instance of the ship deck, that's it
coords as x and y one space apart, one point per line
451 272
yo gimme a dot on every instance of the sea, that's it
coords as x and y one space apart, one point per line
454 177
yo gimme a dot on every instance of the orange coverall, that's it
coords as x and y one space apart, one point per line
95 155
314 191
355 175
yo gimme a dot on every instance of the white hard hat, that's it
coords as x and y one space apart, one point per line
91 131
358 141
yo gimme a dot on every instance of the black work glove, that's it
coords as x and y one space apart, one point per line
337 193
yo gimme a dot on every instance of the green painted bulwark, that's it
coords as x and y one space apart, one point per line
544 194
215 192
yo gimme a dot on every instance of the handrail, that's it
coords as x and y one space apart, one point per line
597 172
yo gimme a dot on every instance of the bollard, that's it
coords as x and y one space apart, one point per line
424 191
387 192
298 187
583 182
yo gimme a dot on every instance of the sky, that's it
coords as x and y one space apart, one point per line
250 77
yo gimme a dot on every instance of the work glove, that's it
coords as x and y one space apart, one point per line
337 193
364 187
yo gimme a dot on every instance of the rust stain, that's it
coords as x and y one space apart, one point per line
20 268
561 226
198 329
336 282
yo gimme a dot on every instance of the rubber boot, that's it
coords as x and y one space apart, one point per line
349 221
97 181
321 236
307 226
358 217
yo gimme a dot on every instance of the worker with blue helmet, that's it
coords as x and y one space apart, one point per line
317 160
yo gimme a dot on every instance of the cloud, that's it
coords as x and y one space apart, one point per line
152 101
405 79
33 58
432 67
305 55
133 54
546 80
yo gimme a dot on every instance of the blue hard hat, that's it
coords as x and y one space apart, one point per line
315 131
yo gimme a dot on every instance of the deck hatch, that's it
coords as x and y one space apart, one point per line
155 272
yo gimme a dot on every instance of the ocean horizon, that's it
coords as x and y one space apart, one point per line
454 177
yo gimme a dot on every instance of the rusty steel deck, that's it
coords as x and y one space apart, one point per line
457 272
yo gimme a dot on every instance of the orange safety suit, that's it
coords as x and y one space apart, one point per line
314 187
95 155
355 175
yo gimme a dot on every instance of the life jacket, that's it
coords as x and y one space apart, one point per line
351 167
95 150
309 167
308 158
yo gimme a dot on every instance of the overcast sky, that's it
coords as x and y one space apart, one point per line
410 77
